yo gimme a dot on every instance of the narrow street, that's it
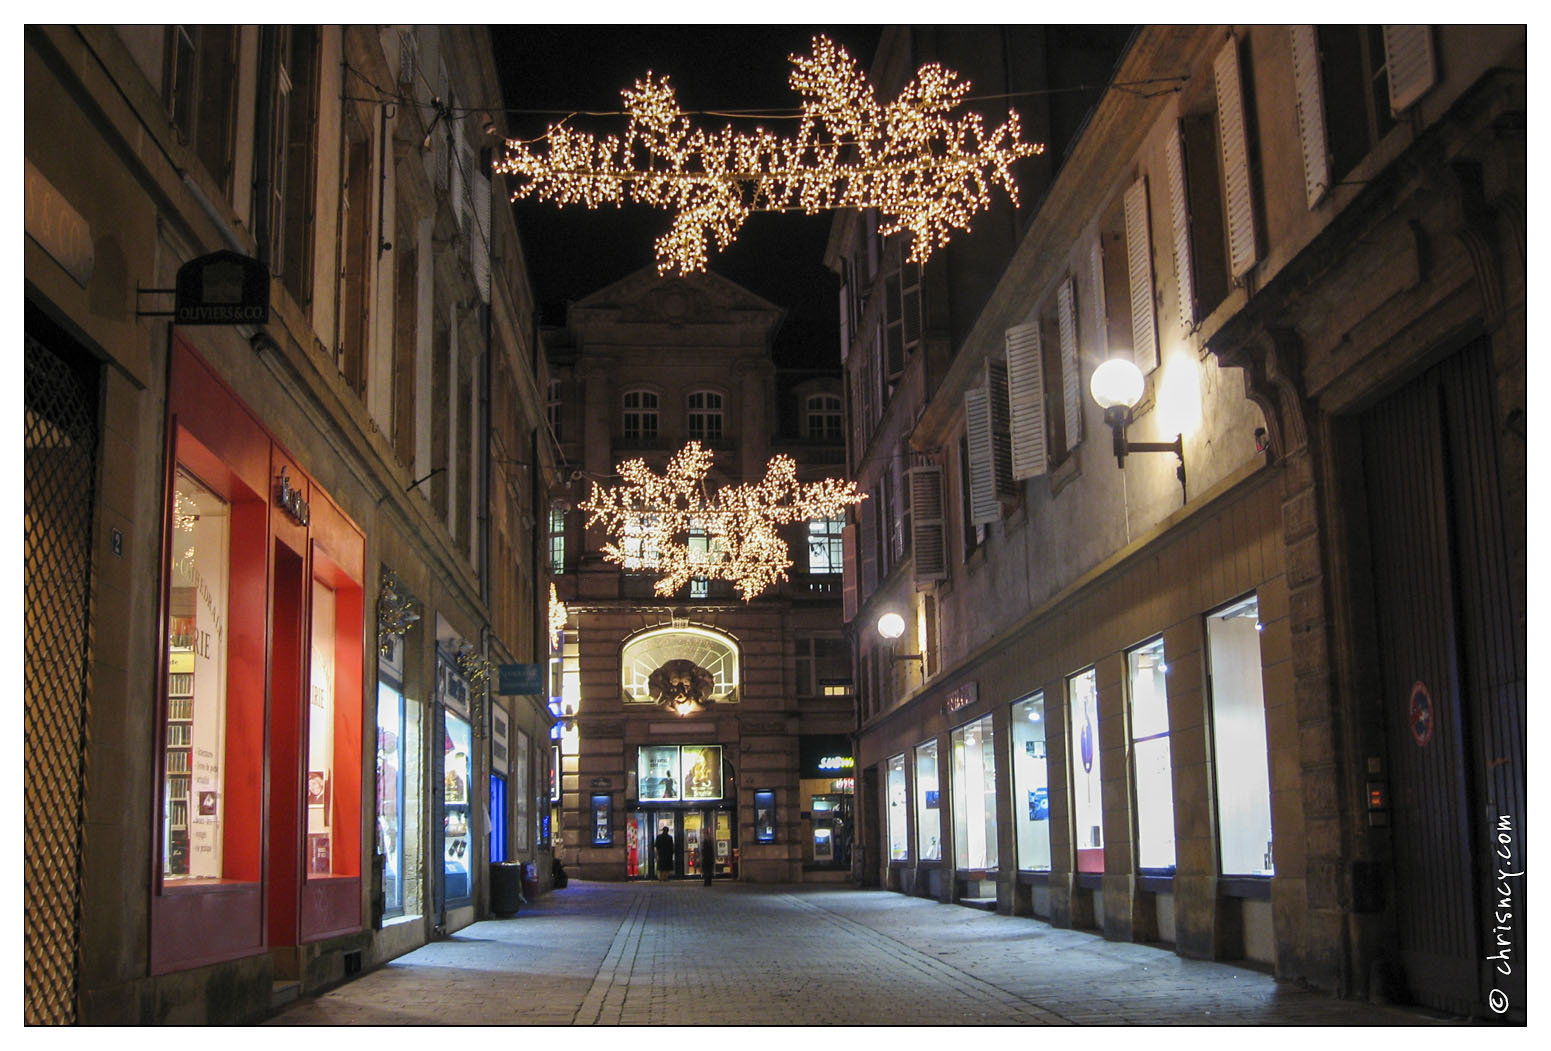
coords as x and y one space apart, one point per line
740 954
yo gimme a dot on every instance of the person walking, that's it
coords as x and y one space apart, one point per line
664 853
707 859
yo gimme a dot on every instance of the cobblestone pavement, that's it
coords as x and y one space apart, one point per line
737 954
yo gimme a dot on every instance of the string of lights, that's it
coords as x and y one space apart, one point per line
670 525
925 171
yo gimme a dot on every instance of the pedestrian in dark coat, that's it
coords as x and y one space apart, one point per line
707 859
664 853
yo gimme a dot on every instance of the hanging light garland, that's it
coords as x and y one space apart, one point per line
558 614
668 523
925 171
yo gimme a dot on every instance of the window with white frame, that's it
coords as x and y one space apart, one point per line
899 832
556 541
1031 784
825 551
1239 752
1082 695
928 811
823 418
1153 769
640 414
639 546
974 795
705 416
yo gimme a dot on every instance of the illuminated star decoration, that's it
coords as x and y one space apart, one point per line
668 524
925 172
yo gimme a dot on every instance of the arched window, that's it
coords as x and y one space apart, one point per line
823 418
640 414
705 415
649 651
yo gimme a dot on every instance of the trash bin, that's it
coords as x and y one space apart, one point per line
505 887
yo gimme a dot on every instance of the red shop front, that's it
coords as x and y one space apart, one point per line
258 808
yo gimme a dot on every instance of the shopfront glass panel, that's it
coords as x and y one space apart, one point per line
320 735
657 772
1239 741
1154 772
928 812
497 818
457 852
193 793
701 769
1082 693
764 816
899 834
390 794
1031 784
974 796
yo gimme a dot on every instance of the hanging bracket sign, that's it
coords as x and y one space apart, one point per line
222 288
520 679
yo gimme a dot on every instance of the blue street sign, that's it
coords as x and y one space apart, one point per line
521 678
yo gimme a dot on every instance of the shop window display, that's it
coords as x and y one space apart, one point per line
497 818
320 735
520 758
1239 740
390 793
670 773
974 796
457 859
1031 784
1082 693
1150 756
764 817
193 810
928 811
899 833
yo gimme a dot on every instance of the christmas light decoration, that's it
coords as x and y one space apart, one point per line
557 616
668 524
923 170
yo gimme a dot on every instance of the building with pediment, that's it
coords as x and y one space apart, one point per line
759 760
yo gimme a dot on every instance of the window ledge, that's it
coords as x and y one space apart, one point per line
1254 888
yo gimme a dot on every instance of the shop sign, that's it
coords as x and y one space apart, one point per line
961 698
837 762
57 228
521 679
291 501
602 782
222 288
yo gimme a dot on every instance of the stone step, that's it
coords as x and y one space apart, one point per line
284 992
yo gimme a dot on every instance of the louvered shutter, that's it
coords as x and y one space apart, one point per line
1179 217
1238 196
845 324
1310 97
1026 401
983 505
897 509
1001 430
479 236
1071 364
848 594
928 543
868 555
1100 313
1408 58
1144 339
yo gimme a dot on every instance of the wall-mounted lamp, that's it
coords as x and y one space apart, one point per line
891 626
1117 386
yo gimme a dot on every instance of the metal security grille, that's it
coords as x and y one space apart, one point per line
61 443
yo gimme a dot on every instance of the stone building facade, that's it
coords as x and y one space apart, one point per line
273 560
1263 699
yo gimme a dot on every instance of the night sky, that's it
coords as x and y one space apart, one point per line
573 252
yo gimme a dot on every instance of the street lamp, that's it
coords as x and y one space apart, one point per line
1117 386
891 626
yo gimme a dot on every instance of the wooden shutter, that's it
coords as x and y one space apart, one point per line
1026 401
845 323
1409 60
983 505
928 538
479 236
1179 217
1238 195
867 514
1001 437
1100 313
1071 364
848 592
1144 338
1309 96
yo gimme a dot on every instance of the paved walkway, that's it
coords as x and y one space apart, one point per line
736 954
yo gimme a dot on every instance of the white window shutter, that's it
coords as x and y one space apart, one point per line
848 593
1071 363
1026 401
928 541
1179 217
1409 59
1100 313
479 236
867 556
1001 430
1310 97
1144 338
1238 195
983 505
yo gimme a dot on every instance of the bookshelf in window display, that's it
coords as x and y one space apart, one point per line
179 747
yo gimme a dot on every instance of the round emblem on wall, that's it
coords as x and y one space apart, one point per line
1420 714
